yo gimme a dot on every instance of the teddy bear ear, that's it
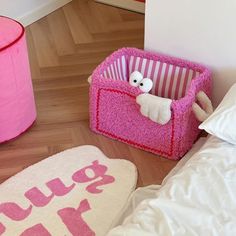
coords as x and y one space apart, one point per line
135 78
146 85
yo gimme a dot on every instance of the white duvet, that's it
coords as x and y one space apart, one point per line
200 199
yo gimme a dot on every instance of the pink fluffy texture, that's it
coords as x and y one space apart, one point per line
115 113
17 106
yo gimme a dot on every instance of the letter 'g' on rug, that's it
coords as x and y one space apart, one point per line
76 192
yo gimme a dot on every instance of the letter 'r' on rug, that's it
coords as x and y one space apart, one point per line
76 192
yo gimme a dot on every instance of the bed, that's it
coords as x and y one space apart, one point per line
197 198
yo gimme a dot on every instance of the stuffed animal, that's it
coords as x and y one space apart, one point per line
156 108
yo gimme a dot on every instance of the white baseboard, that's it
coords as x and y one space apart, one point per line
34 15
127 4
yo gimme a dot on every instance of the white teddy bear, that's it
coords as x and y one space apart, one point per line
156 108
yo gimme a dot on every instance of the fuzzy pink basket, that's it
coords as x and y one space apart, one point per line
115 113
17 106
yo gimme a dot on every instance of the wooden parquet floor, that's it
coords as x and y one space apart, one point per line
64 48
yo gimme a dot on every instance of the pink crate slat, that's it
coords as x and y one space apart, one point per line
116 70
171 83
154 71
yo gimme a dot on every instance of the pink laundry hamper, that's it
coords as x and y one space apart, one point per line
115 113
17 106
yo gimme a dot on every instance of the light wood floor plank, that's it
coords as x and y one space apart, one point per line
64 49
61 33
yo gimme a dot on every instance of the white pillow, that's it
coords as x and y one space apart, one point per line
222 123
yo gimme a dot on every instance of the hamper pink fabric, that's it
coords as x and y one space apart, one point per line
115 113
17 106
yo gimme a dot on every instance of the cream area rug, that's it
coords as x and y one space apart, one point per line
78 192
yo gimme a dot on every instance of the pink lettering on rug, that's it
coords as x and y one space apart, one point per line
71 217
36 230
99 172
2 228
73 220
58 188
37 198
14 212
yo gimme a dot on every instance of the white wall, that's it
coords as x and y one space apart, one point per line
28 11
199 30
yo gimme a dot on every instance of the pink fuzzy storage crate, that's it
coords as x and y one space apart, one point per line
115 113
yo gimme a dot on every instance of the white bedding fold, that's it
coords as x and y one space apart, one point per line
200 199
